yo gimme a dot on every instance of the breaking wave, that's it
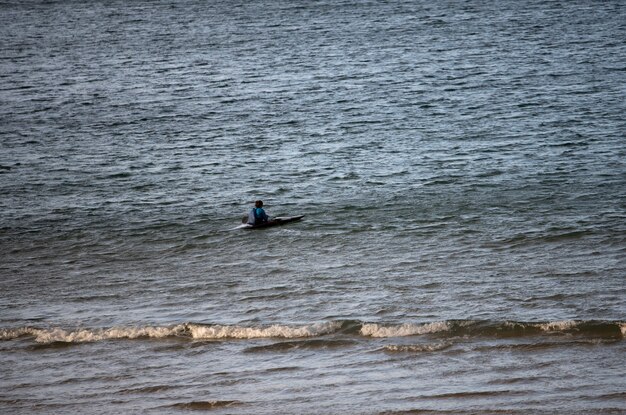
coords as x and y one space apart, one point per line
89 335
378 330
496 328
274 331
438 329
194 331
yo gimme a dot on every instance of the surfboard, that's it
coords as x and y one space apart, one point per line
277 221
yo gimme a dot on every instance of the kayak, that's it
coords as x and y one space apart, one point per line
281 220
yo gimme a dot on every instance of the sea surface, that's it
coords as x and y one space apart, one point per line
461 166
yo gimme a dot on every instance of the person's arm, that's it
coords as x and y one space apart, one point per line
264 216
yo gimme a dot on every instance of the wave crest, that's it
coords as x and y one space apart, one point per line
558 325
90 335
445 329
378 330
275 331
195 331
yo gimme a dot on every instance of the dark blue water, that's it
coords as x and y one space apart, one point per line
461 166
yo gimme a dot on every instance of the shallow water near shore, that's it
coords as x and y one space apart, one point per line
460 166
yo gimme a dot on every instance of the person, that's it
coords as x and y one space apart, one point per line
257 215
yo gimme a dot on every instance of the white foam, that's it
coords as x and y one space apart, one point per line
10 334
93 335
377 330
196 331
622 327
558 325
240 332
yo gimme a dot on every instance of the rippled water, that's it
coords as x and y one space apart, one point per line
461 169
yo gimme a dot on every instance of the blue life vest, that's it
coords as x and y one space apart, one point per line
257 216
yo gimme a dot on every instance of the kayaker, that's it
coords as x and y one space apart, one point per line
257 215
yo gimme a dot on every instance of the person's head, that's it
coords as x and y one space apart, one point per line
258 203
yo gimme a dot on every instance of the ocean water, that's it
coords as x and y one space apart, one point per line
461 166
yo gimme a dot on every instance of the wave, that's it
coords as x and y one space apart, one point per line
402 330
189 330
88 335
274 331
347 328
497 328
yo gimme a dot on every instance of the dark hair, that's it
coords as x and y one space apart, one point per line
258 203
